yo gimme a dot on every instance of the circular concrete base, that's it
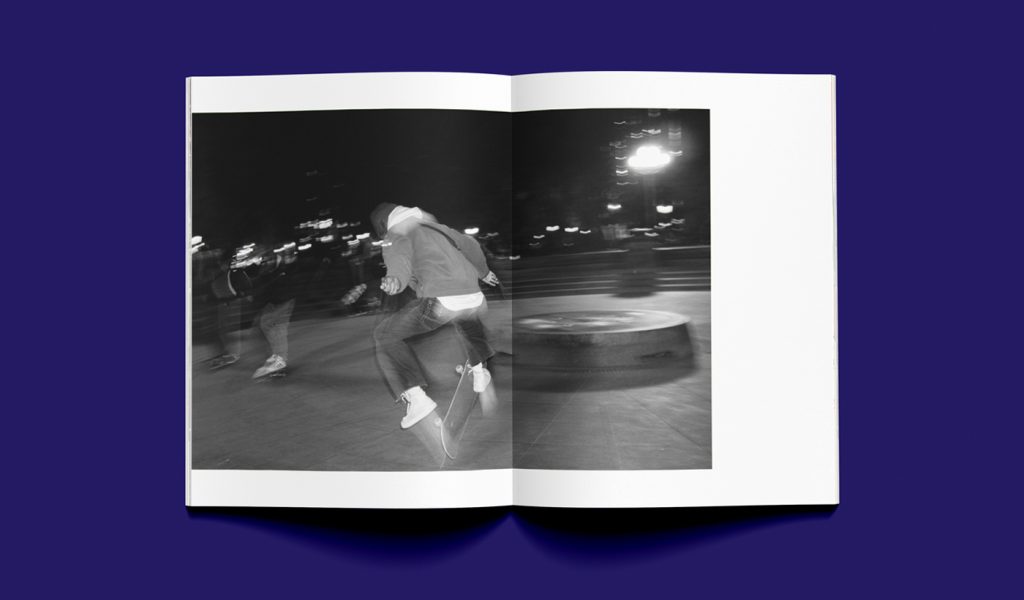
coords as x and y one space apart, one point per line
602 339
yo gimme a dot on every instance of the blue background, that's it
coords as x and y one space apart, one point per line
929 151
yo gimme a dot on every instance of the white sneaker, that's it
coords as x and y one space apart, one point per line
481 379
274 364
417 406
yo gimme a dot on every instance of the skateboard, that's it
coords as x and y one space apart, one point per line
272 376
219 362
442 435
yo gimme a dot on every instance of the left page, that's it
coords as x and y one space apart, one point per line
340 301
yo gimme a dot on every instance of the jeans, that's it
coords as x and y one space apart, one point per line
401 368
273 321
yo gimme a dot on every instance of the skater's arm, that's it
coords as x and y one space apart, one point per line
398 261
471 250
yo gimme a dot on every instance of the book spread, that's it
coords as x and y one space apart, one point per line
424 290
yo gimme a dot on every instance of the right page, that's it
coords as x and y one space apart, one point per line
658 213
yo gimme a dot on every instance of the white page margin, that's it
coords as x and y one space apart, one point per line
351 91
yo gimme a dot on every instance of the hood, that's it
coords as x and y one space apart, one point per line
379 218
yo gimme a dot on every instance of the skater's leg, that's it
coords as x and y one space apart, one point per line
401 368
474 339
229 316
274 325
473 335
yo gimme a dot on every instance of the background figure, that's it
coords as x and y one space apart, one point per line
231 288
443 267
277 287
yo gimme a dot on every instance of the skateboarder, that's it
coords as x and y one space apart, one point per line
230 288
277 287
443 267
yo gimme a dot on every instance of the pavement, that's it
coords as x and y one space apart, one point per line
333 412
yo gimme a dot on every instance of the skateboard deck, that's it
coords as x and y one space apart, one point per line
429 431
441 435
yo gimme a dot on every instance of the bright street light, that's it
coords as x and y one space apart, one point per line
472 230
664 208
648 160
614 206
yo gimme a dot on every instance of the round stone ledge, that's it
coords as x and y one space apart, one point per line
602 339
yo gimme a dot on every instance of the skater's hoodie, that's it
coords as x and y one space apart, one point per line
434 260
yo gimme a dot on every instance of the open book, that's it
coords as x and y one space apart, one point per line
446 290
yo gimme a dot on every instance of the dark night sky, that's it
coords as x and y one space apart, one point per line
468 168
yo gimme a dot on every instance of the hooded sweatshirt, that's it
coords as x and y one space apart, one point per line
434 260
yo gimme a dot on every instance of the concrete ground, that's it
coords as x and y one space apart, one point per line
333 411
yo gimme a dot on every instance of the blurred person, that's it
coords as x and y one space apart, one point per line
230 289
276 287
443 267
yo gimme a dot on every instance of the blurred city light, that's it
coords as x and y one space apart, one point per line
584 232
539 236
197 239
571 229
362 236
664 208
305 247
614 206
552 228
472 230
325 239
648 159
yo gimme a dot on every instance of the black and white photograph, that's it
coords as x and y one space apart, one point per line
423 289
